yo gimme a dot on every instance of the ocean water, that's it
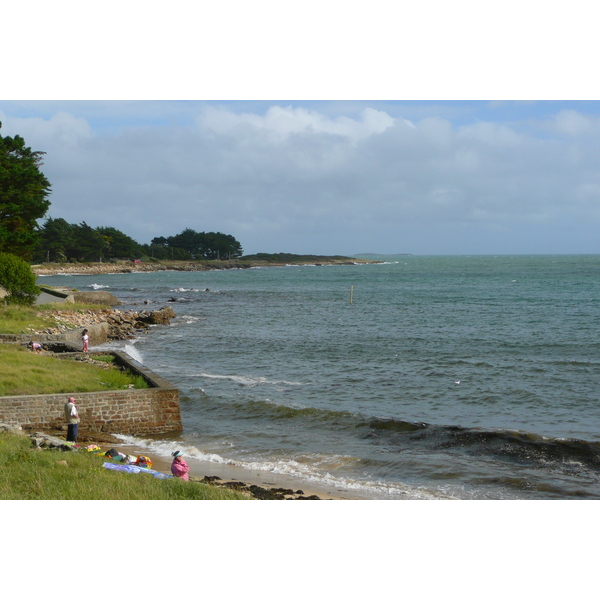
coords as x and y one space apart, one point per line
471 377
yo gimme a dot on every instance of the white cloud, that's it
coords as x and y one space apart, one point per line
491 133
281 122
61 129
299 180
571 122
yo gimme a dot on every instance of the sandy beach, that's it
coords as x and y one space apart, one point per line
232 473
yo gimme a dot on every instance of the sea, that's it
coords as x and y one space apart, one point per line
418 377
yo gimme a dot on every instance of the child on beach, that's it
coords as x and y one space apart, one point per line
85 338
179 467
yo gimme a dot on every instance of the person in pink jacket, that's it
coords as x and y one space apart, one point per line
179 467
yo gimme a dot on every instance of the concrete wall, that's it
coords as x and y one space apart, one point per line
133 412
51 295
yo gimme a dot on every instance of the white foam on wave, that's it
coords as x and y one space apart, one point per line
165 448
248 381
185 290
308 469
188 319
97 286
133 352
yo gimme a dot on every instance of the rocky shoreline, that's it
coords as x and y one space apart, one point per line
174 265
122 325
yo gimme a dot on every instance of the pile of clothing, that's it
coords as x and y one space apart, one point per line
129 459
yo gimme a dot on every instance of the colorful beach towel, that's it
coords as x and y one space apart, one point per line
134 469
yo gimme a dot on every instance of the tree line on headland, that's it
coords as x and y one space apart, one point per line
24 192
60 241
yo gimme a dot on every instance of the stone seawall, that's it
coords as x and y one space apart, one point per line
133 411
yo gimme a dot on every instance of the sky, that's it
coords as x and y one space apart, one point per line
349 133
327 177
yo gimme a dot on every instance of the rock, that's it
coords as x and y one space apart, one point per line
12 428
236 485
265 494
43 440
162 316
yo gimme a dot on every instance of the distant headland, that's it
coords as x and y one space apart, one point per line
246 262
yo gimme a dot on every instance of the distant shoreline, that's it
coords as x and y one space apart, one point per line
127 266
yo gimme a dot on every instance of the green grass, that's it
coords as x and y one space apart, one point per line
71 307
106 358
22 319
24 372
30 474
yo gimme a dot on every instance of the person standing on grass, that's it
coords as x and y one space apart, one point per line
85 338
72 419
179 467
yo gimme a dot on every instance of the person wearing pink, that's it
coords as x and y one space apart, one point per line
85 339
35 347
179 467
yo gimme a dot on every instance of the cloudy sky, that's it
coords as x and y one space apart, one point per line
327 177
419 170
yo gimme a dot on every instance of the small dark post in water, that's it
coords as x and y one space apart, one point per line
351 293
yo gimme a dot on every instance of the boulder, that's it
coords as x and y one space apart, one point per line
43 440
162 316
11 428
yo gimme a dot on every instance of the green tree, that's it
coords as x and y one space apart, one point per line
209 246
88 243
56 241
189 240
23 196
17 278
222 246
119 245
165 252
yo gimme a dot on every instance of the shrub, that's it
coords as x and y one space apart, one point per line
17 278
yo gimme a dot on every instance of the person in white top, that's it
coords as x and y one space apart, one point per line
72 419
85 338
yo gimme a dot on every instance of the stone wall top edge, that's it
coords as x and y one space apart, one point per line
102 393
140 369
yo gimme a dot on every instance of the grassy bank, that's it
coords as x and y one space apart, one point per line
24 373
29 474
23 319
